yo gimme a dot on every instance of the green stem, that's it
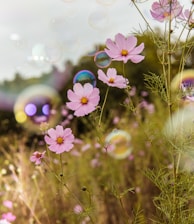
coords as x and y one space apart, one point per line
103 105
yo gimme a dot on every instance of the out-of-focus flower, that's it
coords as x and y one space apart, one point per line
8 204
78 209
187 16
124 49
59 140
37 157
44 126
165 10
4 221
112 79
8 216
84 99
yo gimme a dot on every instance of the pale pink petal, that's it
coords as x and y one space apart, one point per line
52 133
78 89
87 89
59 130
137 58
49 140
120 41
138 49
131 42
72 96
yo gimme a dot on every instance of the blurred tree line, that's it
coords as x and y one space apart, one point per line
134 72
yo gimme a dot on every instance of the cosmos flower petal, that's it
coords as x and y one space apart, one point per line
72 96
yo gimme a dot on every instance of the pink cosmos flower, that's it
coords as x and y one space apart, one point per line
59 140
37 157
84 99
166 10
8 204
8 216
187 16
112 79
124 49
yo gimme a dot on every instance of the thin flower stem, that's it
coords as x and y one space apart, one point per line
103 105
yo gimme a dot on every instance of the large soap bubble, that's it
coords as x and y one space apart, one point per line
37 104
102 60
85 76
119 144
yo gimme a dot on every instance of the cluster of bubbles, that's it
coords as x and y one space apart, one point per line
37 104
118 144
181 124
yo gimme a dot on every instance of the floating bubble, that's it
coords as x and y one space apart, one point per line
106 2
119 144
85 76
35 105
98 19
183 83
48 52
102 60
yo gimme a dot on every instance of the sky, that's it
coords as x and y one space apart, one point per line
37 34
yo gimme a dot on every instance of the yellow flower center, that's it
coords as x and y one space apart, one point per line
166 14
84 100
111 80
60 140
124 52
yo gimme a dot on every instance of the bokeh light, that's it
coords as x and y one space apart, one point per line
85 76
37 104
102 60
119 144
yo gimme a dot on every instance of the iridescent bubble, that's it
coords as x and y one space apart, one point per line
106 2
183 83
35 105
85 76
118 144
98 19
102 60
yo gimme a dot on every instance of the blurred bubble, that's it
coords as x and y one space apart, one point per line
98 19
102 60
17 40
106 2
49 52
35 105
85 76
119 144
183 83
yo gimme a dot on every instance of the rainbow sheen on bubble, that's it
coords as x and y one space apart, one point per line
37 104
102 60
119 144
183 83
85 76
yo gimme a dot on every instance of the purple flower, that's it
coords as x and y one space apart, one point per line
84 99
8 216
37 157
187 16
112 79
59 140
166 10
124 49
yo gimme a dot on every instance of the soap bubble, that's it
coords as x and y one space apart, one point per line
85 76
37 104
119 144
102 60
98 19
183 83
93 51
